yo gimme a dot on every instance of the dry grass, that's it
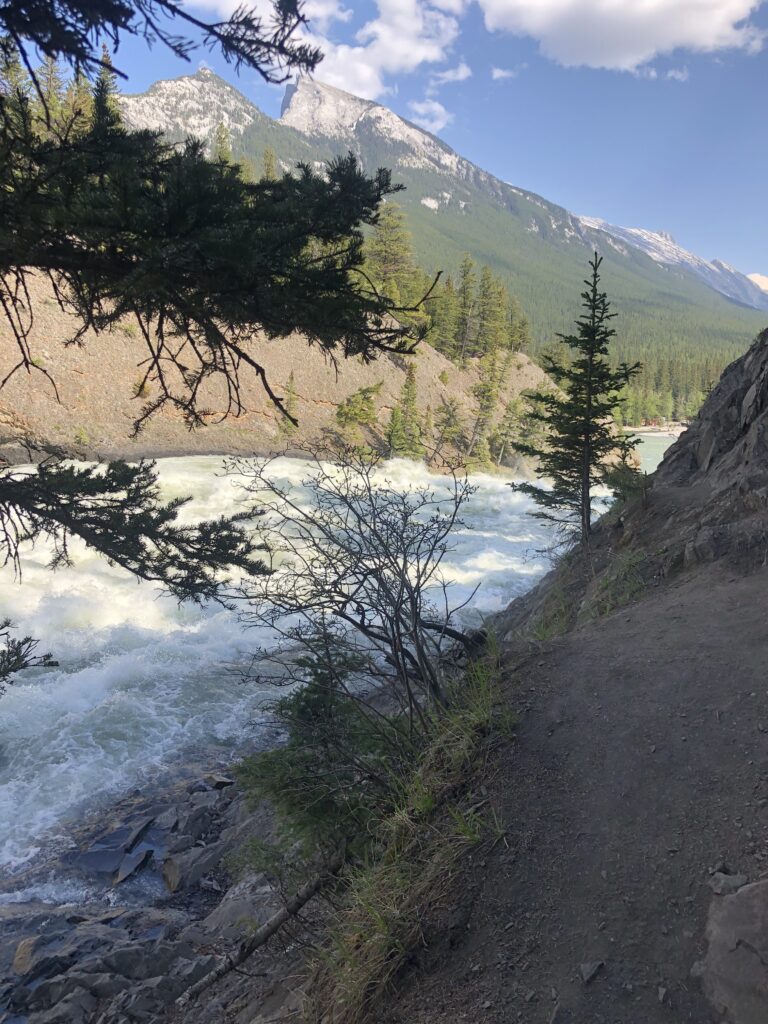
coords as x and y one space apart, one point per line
423 841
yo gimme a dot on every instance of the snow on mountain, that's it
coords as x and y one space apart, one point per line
761 280
192 105
663 249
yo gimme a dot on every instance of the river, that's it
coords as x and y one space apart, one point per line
145 685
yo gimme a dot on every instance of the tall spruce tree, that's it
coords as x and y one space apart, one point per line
486 392
389 256
492 315
50 101
269 165
405 427
443 308
78 104
411 421
578 415
449 424
467 309
221 147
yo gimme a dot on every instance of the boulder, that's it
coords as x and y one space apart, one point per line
183 870
130 864
734 973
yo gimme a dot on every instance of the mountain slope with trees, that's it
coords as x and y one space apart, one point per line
682 330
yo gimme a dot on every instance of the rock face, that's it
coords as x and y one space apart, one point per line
201 102
715 477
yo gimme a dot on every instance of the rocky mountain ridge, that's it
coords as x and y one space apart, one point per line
663 249
317 121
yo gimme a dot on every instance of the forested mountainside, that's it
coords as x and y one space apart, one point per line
685 318
438 407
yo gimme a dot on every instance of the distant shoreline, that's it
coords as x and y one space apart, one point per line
675 430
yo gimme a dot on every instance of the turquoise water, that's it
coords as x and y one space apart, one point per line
652 449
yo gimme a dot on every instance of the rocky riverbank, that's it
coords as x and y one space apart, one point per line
163 907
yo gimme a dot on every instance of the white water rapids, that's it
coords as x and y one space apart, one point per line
143 683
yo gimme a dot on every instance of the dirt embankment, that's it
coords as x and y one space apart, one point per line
96 407
632 883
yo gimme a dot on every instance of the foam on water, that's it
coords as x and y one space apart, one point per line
143 682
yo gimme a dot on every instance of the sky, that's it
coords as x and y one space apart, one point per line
646 113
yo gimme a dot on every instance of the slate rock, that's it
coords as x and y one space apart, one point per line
218 781
183 870
130 864
723 885
590 970
77 1008
100 861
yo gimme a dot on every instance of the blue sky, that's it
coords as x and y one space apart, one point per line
647 113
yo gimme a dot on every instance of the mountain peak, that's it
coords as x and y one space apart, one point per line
190 105
319 110
314 108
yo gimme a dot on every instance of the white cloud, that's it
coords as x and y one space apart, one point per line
457 74
678 74
625 34
405 35
498 74
321 13
430 114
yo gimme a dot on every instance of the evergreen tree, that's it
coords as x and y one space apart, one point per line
14 78
466 314
359 408
78 103
492 316
486 392
428 427
519 332
269 165
396 437
50 100
579 415
443 308
450 425
389 255
411 422
221 148
105 116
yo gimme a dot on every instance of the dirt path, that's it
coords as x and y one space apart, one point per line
641 763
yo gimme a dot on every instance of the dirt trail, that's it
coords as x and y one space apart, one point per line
640 764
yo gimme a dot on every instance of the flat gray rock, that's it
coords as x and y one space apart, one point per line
734 973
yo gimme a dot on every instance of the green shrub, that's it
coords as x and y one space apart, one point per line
620 583
339 767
